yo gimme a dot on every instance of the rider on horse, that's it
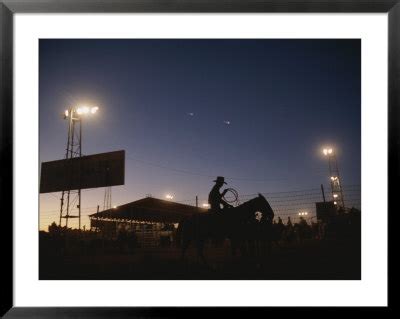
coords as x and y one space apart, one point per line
215 198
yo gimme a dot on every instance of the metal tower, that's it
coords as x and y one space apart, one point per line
336 183
107 198
71 199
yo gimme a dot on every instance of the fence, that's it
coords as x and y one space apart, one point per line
285 204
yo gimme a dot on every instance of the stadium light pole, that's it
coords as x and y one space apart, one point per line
334 176
75 116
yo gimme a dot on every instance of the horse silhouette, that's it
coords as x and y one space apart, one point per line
237 224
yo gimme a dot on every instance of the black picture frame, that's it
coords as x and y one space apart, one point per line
9 7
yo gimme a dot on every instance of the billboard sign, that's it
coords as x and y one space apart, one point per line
97 170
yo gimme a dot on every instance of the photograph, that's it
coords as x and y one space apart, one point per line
199 159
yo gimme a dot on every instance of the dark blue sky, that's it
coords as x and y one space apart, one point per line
285 99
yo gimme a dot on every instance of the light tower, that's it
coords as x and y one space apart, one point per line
334 176
71 199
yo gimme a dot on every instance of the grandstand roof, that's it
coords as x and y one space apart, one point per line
151 210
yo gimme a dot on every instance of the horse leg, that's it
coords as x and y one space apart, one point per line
243 247
200 253
185 245
277 243
268 246
234 246
251 243
258 247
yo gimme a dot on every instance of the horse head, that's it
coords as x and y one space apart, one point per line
257 208
264 212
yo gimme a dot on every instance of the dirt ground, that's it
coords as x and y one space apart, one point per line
309 260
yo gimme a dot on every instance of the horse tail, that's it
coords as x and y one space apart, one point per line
179 233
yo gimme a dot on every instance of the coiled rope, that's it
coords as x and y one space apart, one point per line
233 196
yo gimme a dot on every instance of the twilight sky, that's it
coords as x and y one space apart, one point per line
168 102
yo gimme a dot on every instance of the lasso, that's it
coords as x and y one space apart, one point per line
233 198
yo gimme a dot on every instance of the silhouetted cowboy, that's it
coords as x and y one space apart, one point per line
215 197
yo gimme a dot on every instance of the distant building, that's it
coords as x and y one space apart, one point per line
325 211
152 221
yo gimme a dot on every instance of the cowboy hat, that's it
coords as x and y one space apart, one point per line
220 179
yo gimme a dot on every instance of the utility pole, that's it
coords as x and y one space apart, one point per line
323 192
